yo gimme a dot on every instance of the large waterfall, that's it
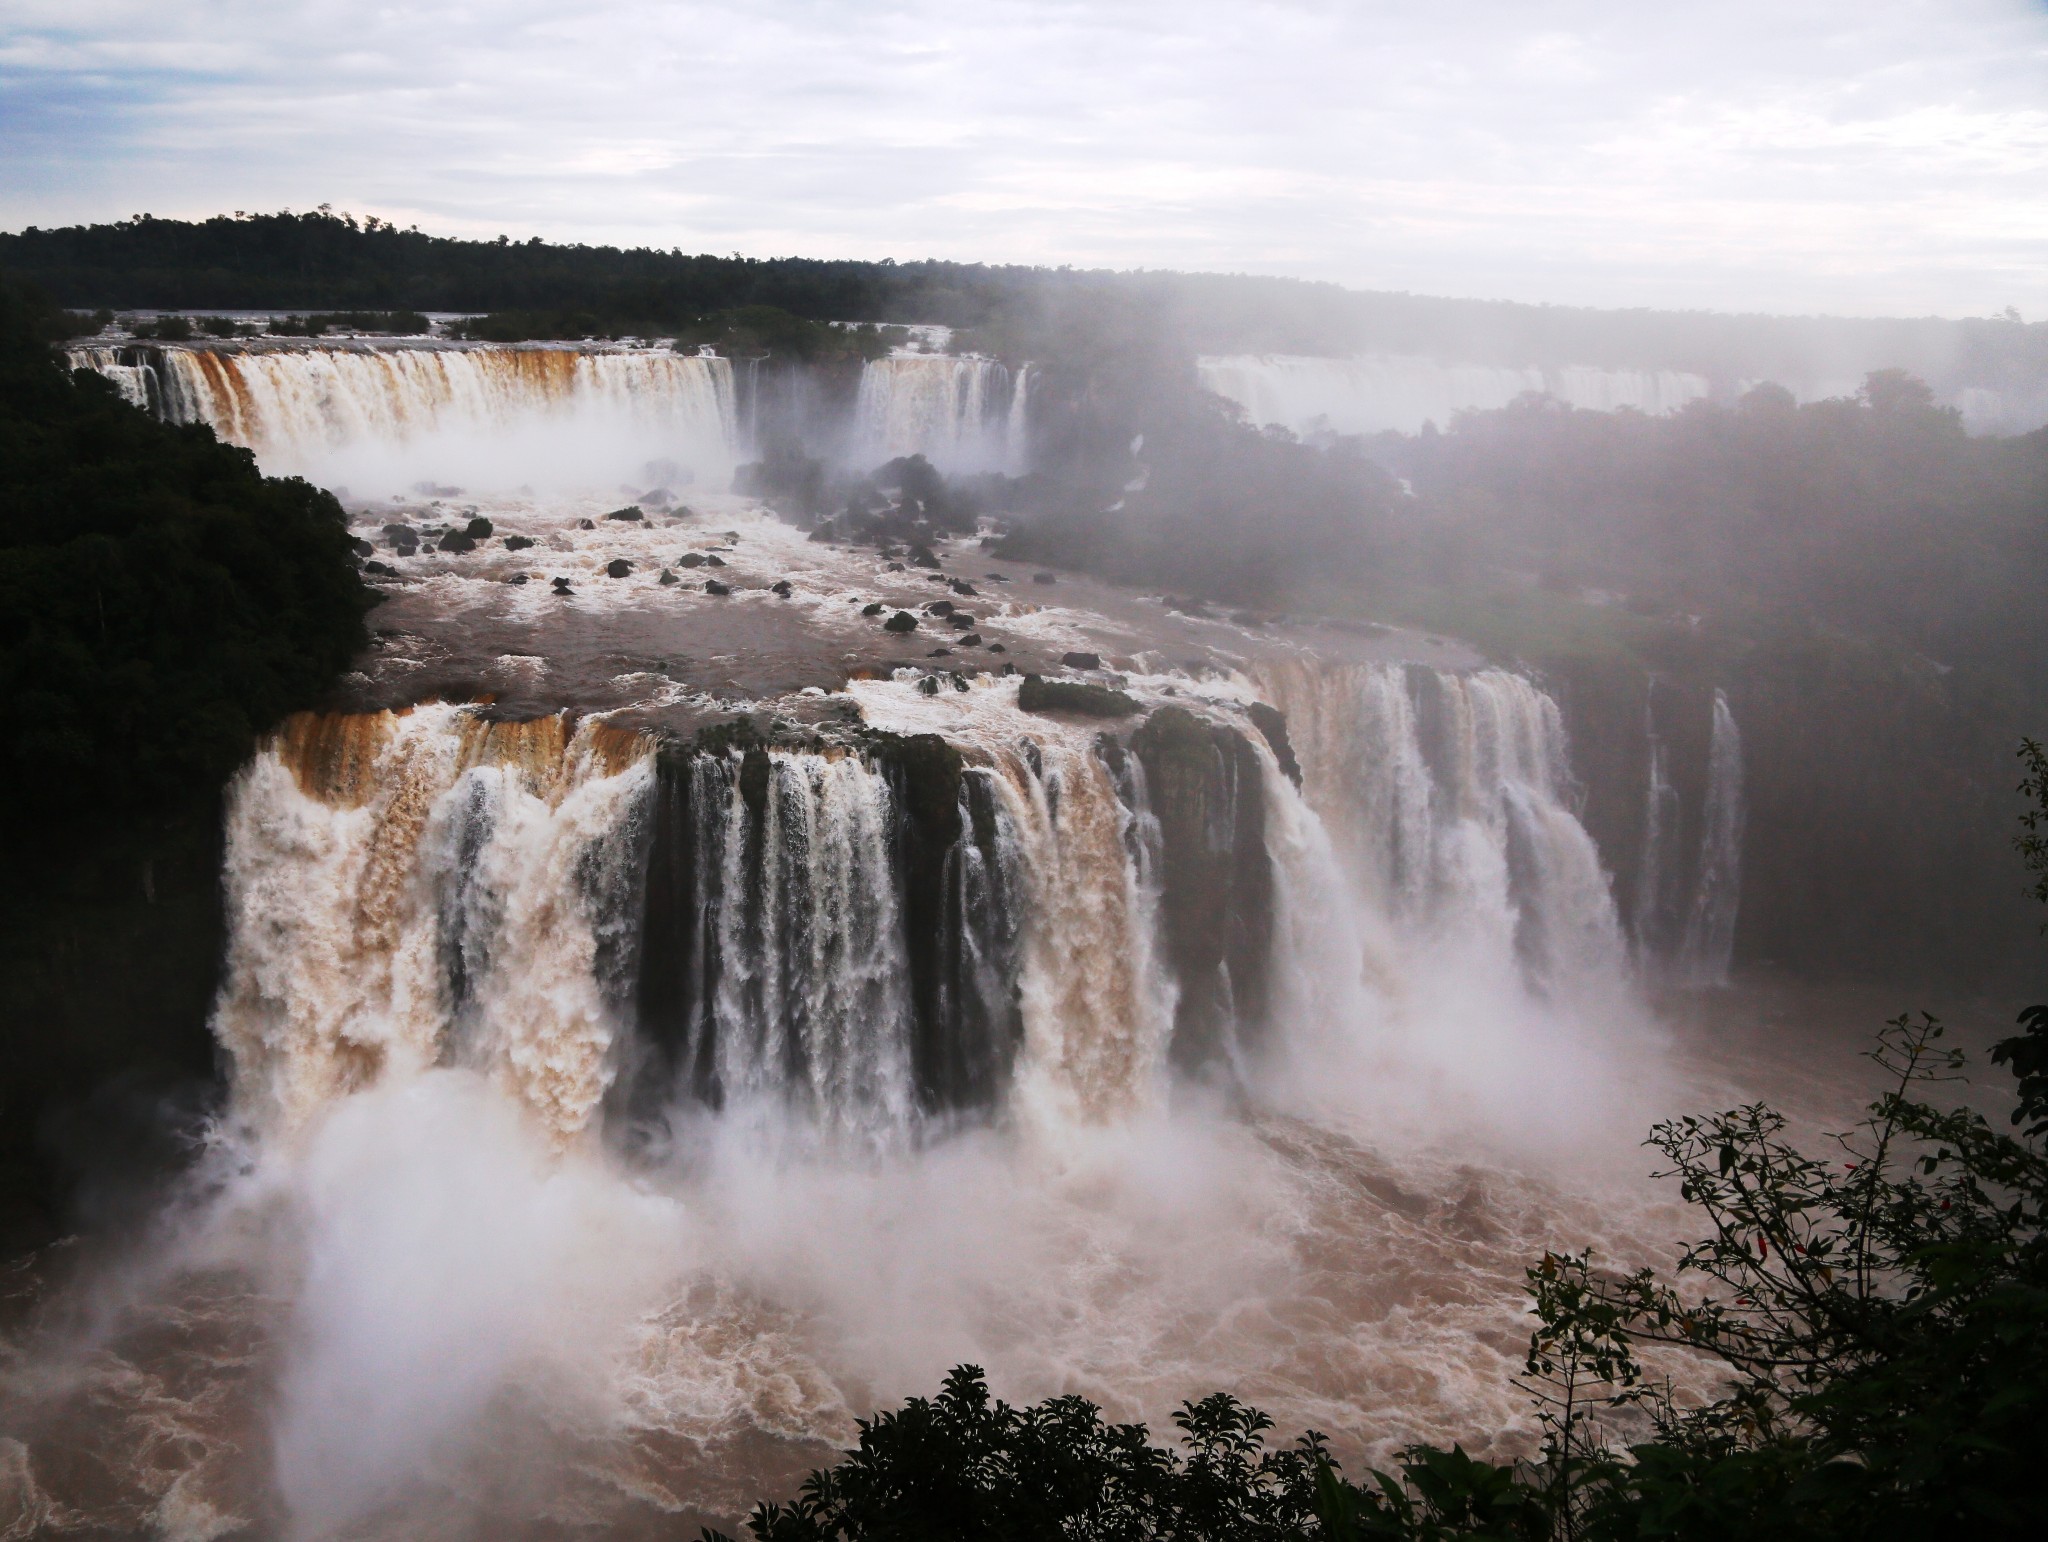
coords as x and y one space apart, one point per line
961 413
382 418
1376 392
875 937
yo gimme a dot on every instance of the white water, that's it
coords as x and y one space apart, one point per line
811 1013
1376 392
963 414
1709 940
382 419
421 889
483 1316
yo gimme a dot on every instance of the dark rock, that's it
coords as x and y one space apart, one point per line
627 514
380 570
668 578
713 586
401 533
1007 669
1271 723
940 653
997 648
961 619
895 567
361 547
713 560
516 578
995 578
1081 660
586 524
961 586
1043 578
902 621
618 567
479 529
1039 694
929 685
923 557
781 586
939 608
456 541
971 640
873 608
562 586
1216 889
518 542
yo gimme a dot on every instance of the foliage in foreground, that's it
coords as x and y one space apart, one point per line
1876 1320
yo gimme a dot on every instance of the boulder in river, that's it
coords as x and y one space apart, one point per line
873 608
668 578
939 608
479 529
1079 660
1039 694
902 621
713 586
628 514
518 542
971 640
713 560
782 587
455 541
618 567
690 559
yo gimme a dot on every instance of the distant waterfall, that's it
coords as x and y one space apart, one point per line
1709 941
963 414
493 417
1376 392
1447 799
1652 920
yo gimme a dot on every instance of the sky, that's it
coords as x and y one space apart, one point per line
1845 156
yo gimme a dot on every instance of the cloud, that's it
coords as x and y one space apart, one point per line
1795 155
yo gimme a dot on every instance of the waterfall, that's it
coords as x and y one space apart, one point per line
1652 922
867 940
1448 802
1709 941
381 417
961 413
1375 392
430 887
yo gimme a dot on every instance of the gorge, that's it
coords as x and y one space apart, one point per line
666 1012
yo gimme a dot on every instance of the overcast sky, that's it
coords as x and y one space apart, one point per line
1853 156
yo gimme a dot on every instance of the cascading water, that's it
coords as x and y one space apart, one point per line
414 889
1709 940
1447 799
1376 392
961 413
381 418
1652 919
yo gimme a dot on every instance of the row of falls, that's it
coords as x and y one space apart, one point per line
973 913
378 418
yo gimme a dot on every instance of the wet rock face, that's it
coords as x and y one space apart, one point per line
1271 723
1202 784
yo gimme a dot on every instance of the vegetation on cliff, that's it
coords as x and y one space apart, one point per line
161 603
